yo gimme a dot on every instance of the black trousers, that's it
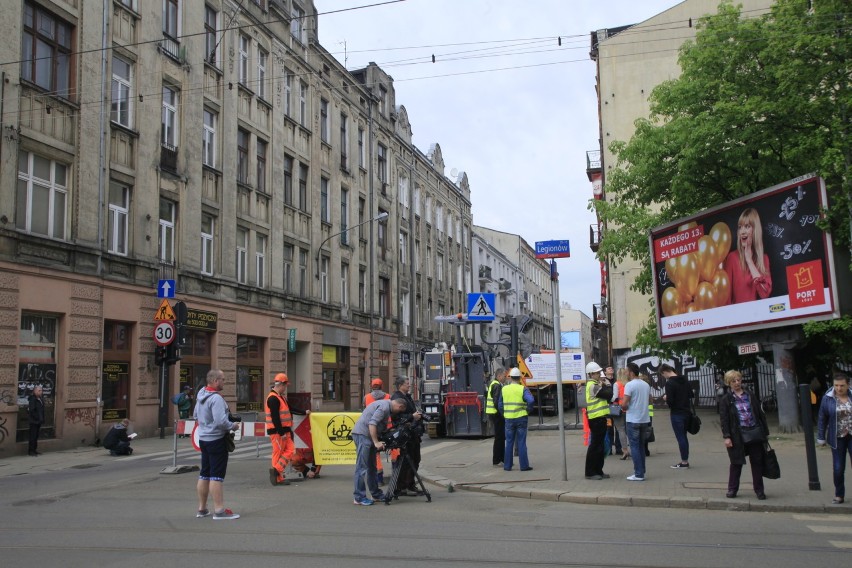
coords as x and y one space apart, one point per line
406 474
34 432
499 424
595 454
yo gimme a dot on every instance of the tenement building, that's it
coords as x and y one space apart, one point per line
211 154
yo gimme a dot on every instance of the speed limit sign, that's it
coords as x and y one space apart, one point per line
164 333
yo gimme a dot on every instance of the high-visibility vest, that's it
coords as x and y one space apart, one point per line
597 407
514 405
490 403
370 399
283 412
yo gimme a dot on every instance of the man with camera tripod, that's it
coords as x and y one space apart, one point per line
372 423
405 480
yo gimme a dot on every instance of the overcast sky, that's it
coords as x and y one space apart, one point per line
507 104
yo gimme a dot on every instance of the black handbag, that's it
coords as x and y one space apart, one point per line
649 434
229 442
752 435
771 468
693 424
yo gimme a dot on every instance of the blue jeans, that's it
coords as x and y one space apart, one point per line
516 428
636 436
365 466
844 446
679 427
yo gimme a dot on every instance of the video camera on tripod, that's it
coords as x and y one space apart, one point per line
404 431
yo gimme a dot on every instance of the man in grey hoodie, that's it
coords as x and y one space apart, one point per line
214 426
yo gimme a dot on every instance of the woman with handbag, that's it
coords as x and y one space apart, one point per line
835 428
745 432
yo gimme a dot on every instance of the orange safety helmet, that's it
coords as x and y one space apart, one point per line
282 378
376 383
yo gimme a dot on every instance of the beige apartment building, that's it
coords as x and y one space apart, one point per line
216 145
631 60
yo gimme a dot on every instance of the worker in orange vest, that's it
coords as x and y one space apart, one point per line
377 394
279 426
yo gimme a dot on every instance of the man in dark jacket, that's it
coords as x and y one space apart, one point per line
677 398
117 441
405 482
35 414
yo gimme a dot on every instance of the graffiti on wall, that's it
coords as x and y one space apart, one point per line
3 432
84 416
649 366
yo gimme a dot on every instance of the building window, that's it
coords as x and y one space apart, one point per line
362 288
208 142
167 232
260 261
344 142
261 165
242 155
303 273
297 24
303 187
37 347
288 268
439 267
344 215
288 180
171 17
245 44
417 200
119 206
382 239
324 213
262 57
362 206
362 149
288 92
211 36
41 196
122 84
402 194
383 166
303 103
383 100
207 226
324 279
46 50
325 131
384 297
403 247
344 284
242 255
169 132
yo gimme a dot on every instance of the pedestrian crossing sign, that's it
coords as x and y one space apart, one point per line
480 307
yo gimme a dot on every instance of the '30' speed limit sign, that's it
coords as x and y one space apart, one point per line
164 333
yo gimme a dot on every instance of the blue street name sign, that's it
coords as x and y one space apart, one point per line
480 307
166 289
552 249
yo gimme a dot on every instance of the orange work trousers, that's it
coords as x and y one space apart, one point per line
283 450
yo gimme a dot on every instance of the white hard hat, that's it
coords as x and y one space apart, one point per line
515 372
593 368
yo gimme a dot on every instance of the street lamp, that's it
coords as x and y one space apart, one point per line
380 217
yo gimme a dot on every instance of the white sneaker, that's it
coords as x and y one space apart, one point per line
635 478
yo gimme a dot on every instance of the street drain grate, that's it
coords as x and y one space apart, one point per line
704 485
85 465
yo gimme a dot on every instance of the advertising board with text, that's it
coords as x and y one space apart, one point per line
543 368
759 261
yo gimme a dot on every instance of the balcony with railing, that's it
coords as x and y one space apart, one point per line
168 157
594 237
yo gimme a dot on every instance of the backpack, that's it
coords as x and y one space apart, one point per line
178 398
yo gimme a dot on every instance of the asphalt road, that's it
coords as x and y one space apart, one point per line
124 512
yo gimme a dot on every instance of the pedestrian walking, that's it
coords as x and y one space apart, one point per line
745 431
834 428
372 424
515 402
214 426
35 416
678 394
598 394
492 398
637 394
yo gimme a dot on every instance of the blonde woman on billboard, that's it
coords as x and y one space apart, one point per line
748 265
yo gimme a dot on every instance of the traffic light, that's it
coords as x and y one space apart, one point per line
159 355
168 355
180 324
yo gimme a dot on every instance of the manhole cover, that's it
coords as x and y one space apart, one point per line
85 465
705 485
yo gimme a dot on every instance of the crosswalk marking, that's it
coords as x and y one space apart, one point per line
834 525
830 530
840 544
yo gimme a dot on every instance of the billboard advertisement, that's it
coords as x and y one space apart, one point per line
759 261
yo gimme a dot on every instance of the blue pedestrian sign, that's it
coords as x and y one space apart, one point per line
552 249
480 307
166 289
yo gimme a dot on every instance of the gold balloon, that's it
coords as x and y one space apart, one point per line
671 302
707 258
706 296
687 274
722 283
671 267
721 235
691 308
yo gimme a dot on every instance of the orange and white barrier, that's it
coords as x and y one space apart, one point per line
301 431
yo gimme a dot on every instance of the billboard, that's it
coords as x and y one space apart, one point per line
759 261
543 367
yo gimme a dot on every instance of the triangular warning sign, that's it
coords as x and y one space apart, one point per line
522 366
481 308
165 312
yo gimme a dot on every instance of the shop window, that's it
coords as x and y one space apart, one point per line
115 372
250 374
37 367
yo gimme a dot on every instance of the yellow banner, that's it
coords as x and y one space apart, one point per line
331 434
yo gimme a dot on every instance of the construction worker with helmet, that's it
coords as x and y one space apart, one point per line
515 402
279 427
376 384
598 395
492 397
